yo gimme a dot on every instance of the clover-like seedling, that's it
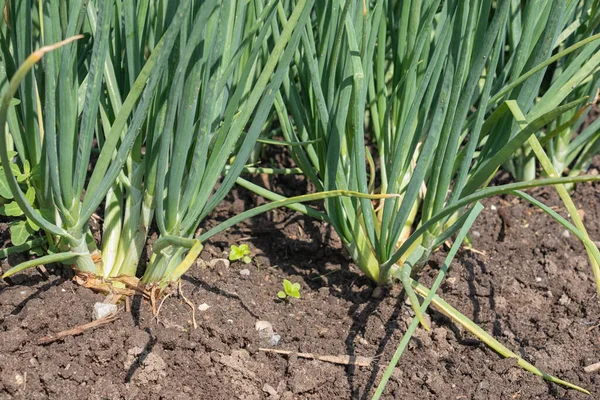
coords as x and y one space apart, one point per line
289 290
241 252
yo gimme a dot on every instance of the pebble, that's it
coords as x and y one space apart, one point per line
451 281
216 261
265 331
269 389
566 234
564 300
274 339
476 234
493 207
101 310
203 307
263 325
245 272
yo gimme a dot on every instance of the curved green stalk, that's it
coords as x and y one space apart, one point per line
478 195
488 339
31 244
471 216
286 202
67 257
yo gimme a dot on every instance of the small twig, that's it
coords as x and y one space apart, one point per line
189 303
480 252
245 238
342 360
591 328
160 306
78 329
592 368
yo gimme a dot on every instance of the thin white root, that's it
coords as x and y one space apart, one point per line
189 303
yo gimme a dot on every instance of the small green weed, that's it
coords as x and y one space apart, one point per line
20 229
289 290
241 252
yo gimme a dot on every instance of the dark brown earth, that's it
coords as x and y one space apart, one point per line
526 281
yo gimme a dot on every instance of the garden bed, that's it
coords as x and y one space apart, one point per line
525 280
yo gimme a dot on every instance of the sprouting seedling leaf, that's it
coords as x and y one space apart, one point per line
26 168
241 252
32 225
11 209
287 286
30 195
4 188
289 290
17 172
295 290
19 232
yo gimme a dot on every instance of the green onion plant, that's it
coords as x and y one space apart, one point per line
404 98
530 37
166 93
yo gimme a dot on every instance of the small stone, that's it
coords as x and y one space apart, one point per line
264 328
203 307
484 385
245 272
363 341
19 379
566 234
451 281
476 234
102 310
274 339
230 321
538 279
217 262
493 207
269 389
564 300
